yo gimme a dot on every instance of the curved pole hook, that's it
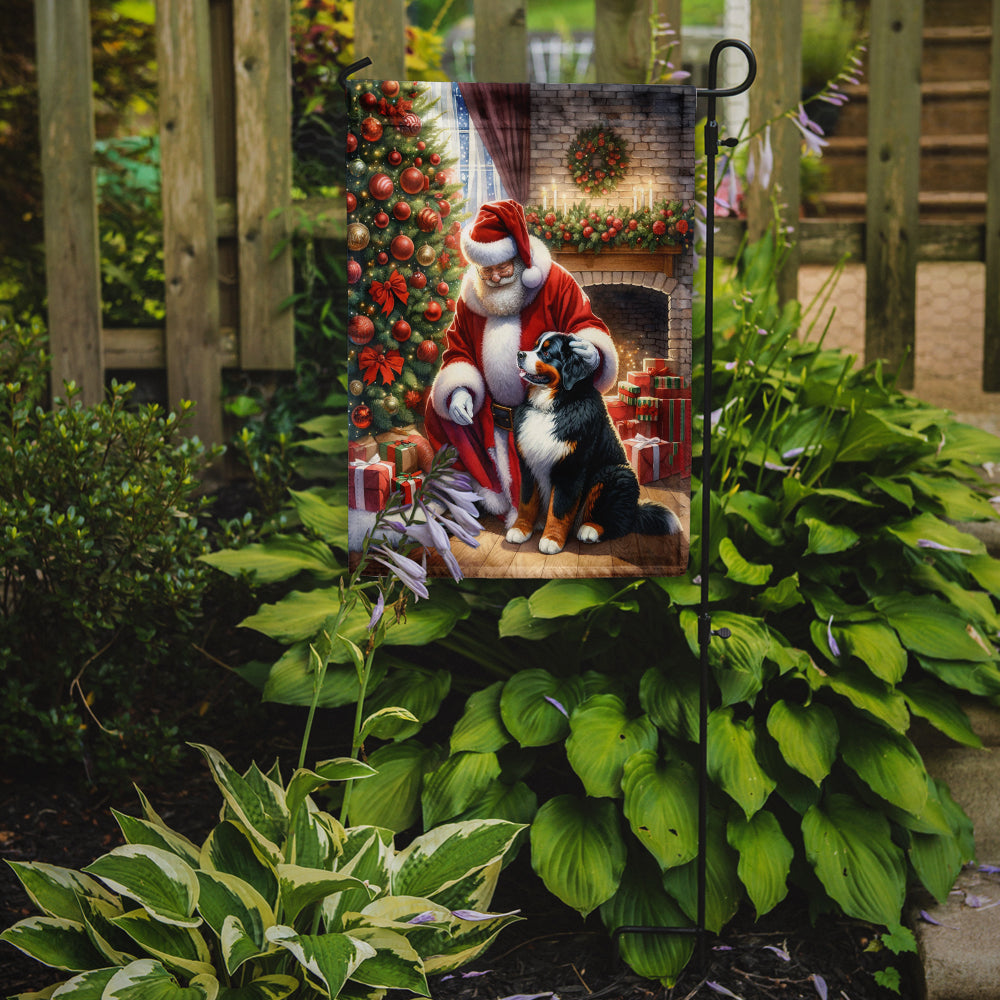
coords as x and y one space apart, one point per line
349 70
713 68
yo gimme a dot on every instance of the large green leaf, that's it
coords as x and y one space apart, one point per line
976 678
301 887
937 858
456 784
143 831
739 569
869 436
329 959
292 680
54 941
275 987
932 628
876 646
866 692
279 558
56 891
164 885
851 850
602 738
758 511
923 528
807 736
516 803
641 901
559 598
327 520
391 798
578 851
225 897
941 709
230 849
535 706
481 728
732 760
956 500
672 699
179 948
827 539
765 858
661 806
86 986
147 979
395 964
517 621
888 763
738 661
304 782
785 594
416 689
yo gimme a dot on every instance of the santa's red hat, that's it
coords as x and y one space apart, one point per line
498 234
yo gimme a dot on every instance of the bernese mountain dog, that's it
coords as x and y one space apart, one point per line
574 471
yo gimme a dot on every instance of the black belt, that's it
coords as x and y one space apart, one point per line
503 416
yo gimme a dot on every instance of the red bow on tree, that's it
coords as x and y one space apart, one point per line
386 292
373 361
394 112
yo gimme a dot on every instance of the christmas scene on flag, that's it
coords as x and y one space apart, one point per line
519 300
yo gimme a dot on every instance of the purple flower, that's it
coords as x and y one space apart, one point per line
719 988
780 952
811 132
558 705
377 612
410 573
475 915
761 162
831 642
427 917
820 983
927 543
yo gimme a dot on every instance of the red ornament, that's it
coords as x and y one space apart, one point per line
353 272
550 219
443 289
682 226
401 247
361 416
409 125
428 220
395 158
381 186
445 177
606 235
451 240
588 231
368 100
418 280
444 207
633 224
401 330
352 202
421 145
381 220
383 258
401 210
433 312
435 159
450 305
418 161
390 88
360 330
411 180
659 227
352 142
371 129
427 351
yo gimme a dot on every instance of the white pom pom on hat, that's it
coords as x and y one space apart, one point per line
499 233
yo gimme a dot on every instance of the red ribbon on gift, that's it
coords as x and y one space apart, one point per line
373 361
386 292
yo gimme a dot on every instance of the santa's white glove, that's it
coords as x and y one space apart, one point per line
460 407
586 352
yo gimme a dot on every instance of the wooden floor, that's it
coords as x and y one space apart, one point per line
633 555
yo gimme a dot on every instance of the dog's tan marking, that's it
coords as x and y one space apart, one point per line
527 514
557 529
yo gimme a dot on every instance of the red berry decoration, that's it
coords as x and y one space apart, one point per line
381 186
352 202
401 210
409 125
550 219
633 224
401 247
395 157
433 312
401 330
353 272
443 289
567 237
411 180
361 416
659 227
418 280
588 231
371 129
360 330
390 87
606 235
428 220
427 351
352 142
412 399
381 220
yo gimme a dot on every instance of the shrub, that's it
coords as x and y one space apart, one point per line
280 899
99 546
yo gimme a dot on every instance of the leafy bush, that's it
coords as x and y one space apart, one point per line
99 546
279 899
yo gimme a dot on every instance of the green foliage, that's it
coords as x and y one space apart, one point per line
101 587
280 899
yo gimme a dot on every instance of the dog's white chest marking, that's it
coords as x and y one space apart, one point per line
541 448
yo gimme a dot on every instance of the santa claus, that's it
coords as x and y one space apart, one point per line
512 293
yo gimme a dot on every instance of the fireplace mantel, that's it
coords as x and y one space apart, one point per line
659 261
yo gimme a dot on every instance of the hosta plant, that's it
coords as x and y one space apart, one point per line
279 900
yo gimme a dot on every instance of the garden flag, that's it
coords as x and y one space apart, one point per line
519 299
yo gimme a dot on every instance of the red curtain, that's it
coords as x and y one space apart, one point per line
502 114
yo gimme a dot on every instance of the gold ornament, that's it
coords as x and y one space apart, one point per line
357 236
390 404
426 255
357 387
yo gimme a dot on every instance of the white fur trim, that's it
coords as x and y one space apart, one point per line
606 376
501 457
532 277
457 375
540 257
501 342
488 254
491 502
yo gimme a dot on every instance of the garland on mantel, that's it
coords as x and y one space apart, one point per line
583 228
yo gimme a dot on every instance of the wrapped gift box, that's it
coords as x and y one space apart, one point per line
672 387
656 366
675 426
369 484
363 449
628 392
651 458
644 380
401 454
617 409
407 484
648 409
627 428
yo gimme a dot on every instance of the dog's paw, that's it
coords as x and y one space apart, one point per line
516 536
588 533
549 546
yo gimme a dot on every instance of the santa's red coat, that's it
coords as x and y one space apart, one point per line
481 356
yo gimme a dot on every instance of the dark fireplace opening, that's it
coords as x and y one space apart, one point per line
638 318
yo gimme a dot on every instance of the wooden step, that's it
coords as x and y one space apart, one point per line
945 105
956 53
945 12
957 206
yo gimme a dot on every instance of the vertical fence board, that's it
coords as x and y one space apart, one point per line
776 35
892 215
264 167
380 34
668 12
190 253
72 255
501 41
991 333
622 40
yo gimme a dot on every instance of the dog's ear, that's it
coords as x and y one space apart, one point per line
574 370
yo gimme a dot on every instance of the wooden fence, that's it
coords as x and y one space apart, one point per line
226 159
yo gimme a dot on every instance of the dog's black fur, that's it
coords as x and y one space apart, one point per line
574 471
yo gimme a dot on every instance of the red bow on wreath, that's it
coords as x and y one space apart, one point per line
373 361
394 112
385 293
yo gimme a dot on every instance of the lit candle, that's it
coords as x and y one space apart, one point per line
651 197
545 199
555 198
633 203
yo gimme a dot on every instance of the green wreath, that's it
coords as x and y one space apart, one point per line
597 159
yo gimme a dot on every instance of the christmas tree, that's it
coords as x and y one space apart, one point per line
404 209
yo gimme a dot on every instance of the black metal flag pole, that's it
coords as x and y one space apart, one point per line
705 631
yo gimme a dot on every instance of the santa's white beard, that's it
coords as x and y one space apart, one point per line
505 299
